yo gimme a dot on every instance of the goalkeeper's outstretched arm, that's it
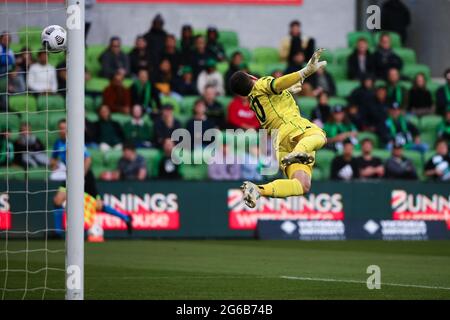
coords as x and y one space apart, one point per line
291 79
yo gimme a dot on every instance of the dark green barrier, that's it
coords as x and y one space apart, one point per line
214 209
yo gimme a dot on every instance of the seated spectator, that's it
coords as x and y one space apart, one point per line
339 129
16 83
211 77
364 95
354 116
236 64
167 168
399 167
214 109
6 148
139 57
165 125
397 129
24 59
345 166
396 92
420 101
376 114
296 42
438 167
155 38
186 43
114 59
320 81
297 63
116 96
322 113
109 132
196 132
199 56
132 165
240 115
385 58
224 167
137 131
7 58
42 75
361 62
369 167
165 81
213 46
143 92
171 53
185 85
443 130
30 151
443 95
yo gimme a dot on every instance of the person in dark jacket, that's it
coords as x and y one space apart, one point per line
420 102
385 58
167 168
185 84
156 38
322 113
199 56
109 132
443 95
398 166
139 57
361 62
345 166
322 80
171 53
395 16
214 47
364 95
186 43
114 59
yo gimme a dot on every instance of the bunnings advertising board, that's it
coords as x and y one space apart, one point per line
166 209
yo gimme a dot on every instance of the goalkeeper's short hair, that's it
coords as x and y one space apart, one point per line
241 83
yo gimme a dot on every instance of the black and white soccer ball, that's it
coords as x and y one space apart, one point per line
54 38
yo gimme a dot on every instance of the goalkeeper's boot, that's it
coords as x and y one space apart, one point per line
298 157
251 193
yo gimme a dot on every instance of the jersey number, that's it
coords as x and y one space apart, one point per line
258 109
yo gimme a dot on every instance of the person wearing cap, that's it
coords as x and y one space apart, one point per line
443 130
396 92
345 166
213 45
398 166
443 95
210 77
155 38
339 129
296 42
165 125
185 84
397 129
361 62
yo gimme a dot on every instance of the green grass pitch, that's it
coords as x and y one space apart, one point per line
237 269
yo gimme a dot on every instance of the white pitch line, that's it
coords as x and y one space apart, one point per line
364 282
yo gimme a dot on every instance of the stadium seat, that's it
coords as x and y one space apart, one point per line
337 71
222 67
258 69
341 55
383 154
428 127
272 67
97 161
333 101
120 118
10 121
411 70
246 53
433 87
396 41
327 56
406 54
224 100
345 87
96 84
414 120
183 118
429 138
56 58
54 118
194 171
152 159
22 103
353 37
89 104
13 173
416 158
229 39
266 55
91 116
127 49
94 51
39 173
318 175
307 105
51 102
111 159
171 101
369 135
30 36
406 84
186 106
324 157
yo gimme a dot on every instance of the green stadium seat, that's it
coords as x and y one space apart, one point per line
327 55
396 41
22 103
51 102
94 51
433 87
10 121
171 101
414 120
127 82
383 154
152 159
257 68
16 47
224 100
429 138
98 100
96 84
369 135
306 105
199 32
266 55
186 106
428 156
246 53
30 36
194 171
183 118
345 87
406 84
89 104
13 173
222 67
411 70
353 37
333 101
48 137
341 55
120 118
324 157
97 161
272 67
416 158
111 159
91 116
406 54
229 39
56 58
318 174
54 118
430 123
127 49
337 71
94 67
40 173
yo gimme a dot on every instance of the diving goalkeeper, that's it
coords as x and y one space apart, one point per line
297 138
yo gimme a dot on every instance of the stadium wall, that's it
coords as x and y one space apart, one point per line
165 209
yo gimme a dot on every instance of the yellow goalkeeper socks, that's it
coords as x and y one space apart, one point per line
281 188
310 143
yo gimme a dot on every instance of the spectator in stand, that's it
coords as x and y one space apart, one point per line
116 96
139 57
236 64
240 115
62 76
377 113
144 93
296 42
213 46
398 130
297 63
109 132
185 85
186 43
6 147
345 166
171 53
199 56
16 83
7 58
24 59
396 92
132 165
443 130
443 95
114 59
165 81
420 101
214 109
210 77
321 80
385 58
167 168
339 129
322 113
355 117
395 17
156 38
90 134
361 62
42 76
398 166
165 125
369 167
30 151
438 167
198 125
364 97
137 130
224 167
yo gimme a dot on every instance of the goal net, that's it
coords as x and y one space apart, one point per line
33 104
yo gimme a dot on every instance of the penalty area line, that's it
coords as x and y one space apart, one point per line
364 282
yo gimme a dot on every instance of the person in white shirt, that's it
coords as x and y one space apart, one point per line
42 76
210 78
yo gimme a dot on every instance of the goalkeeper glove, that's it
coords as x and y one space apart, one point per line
313 64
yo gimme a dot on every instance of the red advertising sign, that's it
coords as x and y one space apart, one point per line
5 212
322 206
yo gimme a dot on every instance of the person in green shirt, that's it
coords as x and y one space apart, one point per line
339 128
137 130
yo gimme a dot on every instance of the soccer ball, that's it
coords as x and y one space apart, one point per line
54 38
